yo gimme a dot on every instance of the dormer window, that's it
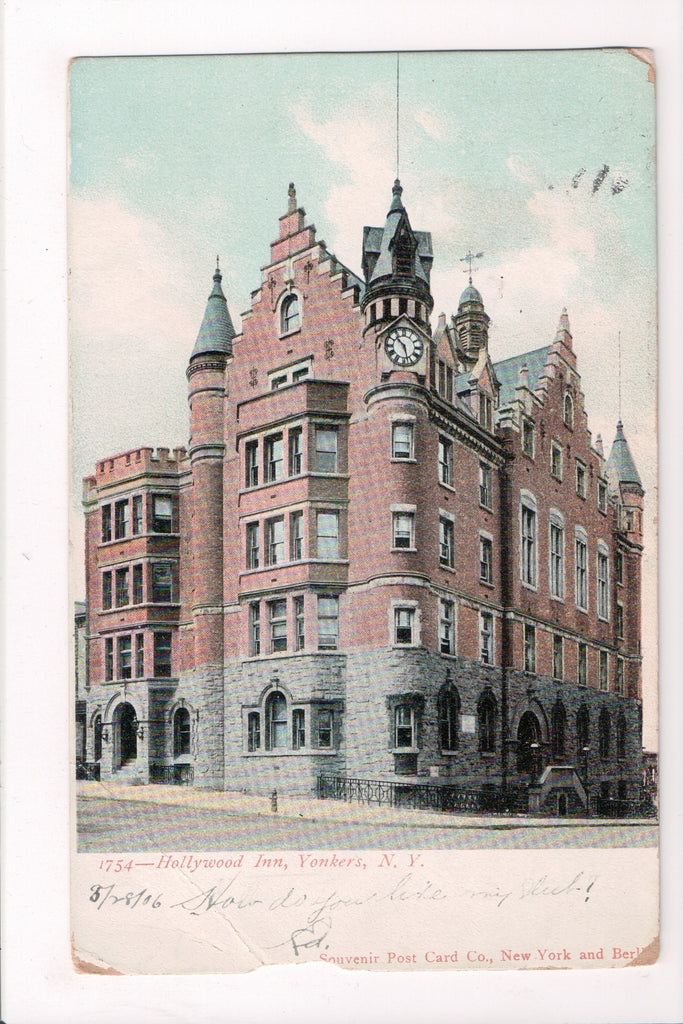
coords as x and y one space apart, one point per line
403 263
568 411
290 317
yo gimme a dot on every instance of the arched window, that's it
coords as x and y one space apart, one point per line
568 411
603 733
582 729
276 721
449 712
558 728
97 738
621 736
290 318
529 753
486 714
181 732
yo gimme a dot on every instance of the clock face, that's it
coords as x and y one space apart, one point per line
403 346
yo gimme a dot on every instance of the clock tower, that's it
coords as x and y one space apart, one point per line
397 263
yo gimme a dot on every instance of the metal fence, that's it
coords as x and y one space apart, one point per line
171 774
438 797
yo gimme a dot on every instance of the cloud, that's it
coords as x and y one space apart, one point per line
430 122
521 170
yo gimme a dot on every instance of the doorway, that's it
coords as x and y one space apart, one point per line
529 753
127 729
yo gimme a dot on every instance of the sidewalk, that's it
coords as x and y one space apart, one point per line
297 808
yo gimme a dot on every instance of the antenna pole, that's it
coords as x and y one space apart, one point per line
619 374
397 110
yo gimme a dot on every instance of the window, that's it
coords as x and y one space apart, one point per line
290 319
138 592
122 591
278 382
403 529
446 626
276 721
486 638
181 732
604 734
486 715
558 729
254 629
603 671
137 514
162 582
556 561
446 543
581 563
402 306
108 659
619 677
328 623
449 714
485 411
298 729
123 664
326 450
556 460
528 438
386 309
446 461
582 730
325 721
582 665
602 496
106 523
251 464
528 546
253 731
619 621
621 736
121 515
139 655
529 647
278 626
300 374
403 625
402 441
558 657
568 411
274 535
580 479
299 624
162 655
162 514
296 536
253 549
106 590
404 726
295 451
603 585
327 530
485 485
619 567
485 559
272 458
418 311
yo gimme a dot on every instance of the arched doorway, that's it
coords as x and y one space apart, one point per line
125 735
529 755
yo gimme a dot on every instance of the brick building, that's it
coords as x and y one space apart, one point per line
382 556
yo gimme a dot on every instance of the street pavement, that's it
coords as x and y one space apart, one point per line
169 818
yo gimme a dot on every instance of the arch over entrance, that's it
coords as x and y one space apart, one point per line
529 750
125 728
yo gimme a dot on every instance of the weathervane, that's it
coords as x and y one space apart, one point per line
467 258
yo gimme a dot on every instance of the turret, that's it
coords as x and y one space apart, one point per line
397 263
626 486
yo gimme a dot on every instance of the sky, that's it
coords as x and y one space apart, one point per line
543 161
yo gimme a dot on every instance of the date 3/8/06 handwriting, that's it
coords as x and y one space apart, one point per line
106 894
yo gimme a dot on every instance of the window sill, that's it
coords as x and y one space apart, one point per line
487 508
530 586
584 611
288 752
395 458
603 618
447 486
410 551
255 658
449 753
290 334
405 750
557 600
487 583
448 568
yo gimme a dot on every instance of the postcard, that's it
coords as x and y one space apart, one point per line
363 377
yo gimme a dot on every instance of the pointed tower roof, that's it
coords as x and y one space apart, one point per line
217 331
621 469
378 243
563 333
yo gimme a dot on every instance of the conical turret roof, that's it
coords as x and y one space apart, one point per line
217 331
620 466
378 243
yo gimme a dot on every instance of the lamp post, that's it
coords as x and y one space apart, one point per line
584 751
535 748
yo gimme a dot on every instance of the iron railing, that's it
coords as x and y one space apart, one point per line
426 796
171 774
